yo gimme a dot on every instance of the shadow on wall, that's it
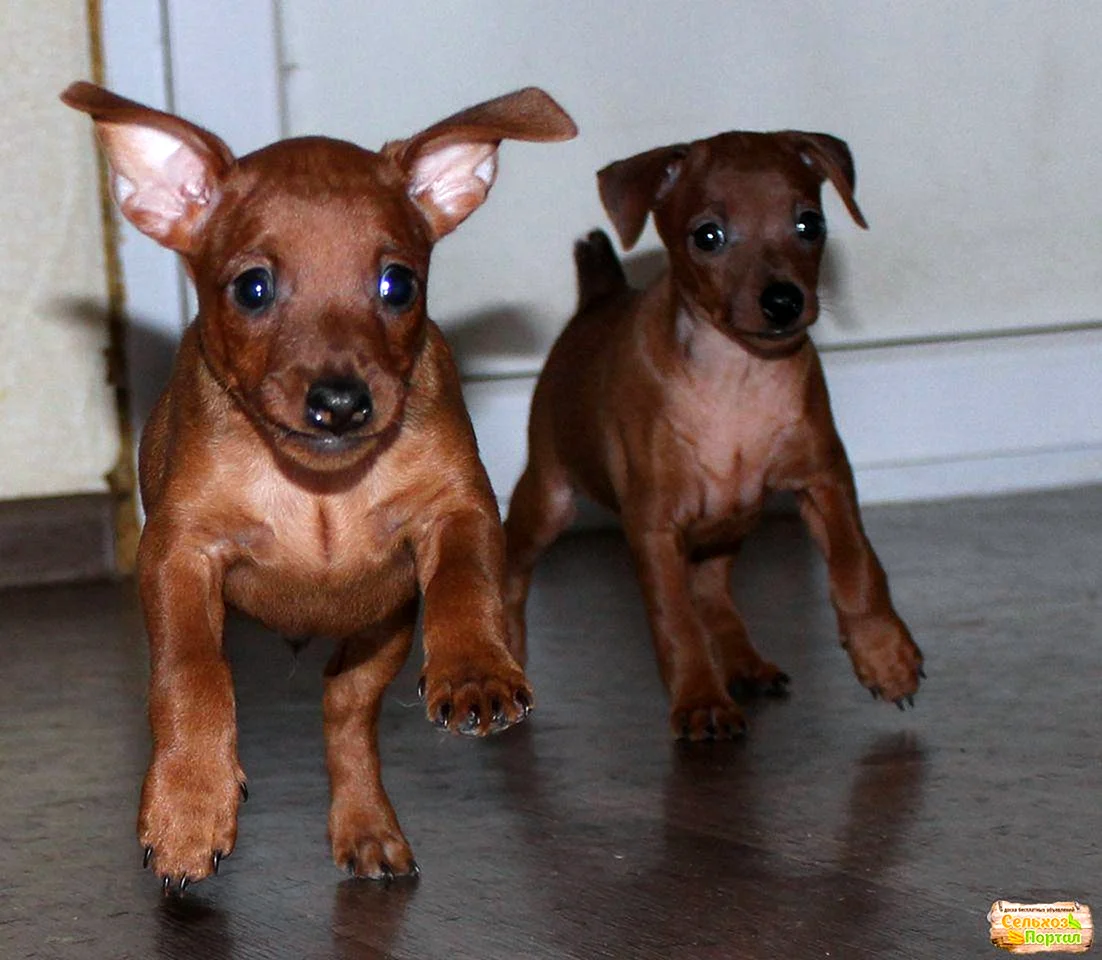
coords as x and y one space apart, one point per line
506 333
834 296
506 339
146 358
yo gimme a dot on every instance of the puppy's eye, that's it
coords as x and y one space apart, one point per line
810 225
254 290
397 286
709 237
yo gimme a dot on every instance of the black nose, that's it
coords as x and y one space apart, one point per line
781 305
338 404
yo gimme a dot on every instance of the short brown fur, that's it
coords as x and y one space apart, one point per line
683 406
265 494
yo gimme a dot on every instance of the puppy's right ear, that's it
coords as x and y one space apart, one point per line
165 172
631 188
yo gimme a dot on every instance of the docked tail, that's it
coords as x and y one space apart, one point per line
600 274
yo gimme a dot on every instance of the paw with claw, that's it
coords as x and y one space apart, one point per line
188 819
885 658
368 842
717 717
475 695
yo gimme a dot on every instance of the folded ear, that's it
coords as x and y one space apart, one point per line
631 188
165 172
831 159
450 167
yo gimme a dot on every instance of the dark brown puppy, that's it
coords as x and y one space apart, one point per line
311 461
682 406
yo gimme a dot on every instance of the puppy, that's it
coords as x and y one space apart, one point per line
311 462
682 406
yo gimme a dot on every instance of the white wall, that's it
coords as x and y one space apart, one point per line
975 127
58 431
974 124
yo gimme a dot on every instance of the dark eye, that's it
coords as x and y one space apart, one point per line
810 225
254 290
397 286
709 237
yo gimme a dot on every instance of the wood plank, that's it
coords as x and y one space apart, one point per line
838 827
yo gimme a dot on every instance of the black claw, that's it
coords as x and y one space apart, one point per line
415 870
421 688
922 673
443 715
474 718
778 686
215 860
875 691
388 874
899 703
244 792
350 866
146 857
165 885
711 731
183 884
495 710
524 703
910 700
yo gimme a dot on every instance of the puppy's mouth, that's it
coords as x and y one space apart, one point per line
771 343
322 443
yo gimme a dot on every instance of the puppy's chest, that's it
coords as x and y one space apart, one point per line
734 433
317 534
321 553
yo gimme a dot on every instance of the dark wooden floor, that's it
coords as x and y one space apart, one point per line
838 828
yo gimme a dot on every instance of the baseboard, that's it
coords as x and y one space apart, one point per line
57 540
921 421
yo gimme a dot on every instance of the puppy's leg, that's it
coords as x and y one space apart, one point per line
188 815
701 707
885 658
542 507
471 683
363 828
743 668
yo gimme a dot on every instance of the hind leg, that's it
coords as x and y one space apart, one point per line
743 668
363 827
542 508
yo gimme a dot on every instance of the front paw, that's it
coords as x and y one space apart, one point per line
188 818
885 658
475 694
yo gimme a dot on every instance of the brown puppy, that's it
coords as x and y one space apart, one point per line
682 406
311 461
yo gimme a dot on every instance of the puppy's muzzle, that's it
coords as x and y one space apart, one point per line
782 305
338 405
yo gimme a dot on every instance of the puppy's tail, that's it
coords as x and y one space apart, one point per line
600 273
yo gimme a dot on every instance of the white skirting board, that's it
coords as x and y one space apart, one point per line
921 421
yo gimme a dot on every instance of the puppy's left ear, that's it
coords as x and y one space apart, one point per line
450 167
831 159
